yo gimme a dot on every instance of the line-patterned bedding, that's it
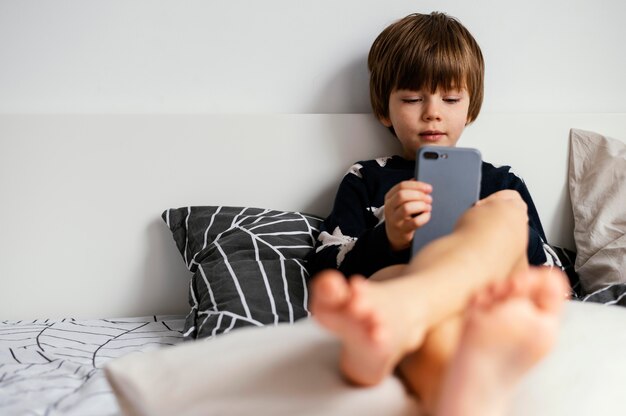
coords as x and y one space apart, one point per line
54 367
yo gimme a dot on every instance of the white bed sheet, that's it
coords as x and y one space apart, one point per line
55 367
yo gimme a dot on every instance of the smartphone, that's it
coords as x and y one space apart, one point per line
455 174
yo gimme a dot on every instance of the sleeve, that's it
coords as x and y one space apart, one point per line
353 238
537 242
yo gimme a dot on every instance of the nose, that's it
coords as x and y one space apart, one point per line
431 111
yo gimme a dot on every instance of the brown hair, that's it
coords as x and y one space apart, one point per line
425 51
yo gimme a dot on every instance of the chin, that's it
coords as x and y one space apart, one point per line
442 143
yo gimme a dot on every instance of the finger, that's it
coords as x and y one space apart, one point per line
411 209
414 184
408 225
420 220
409 185
402 221
404 196
422 186
401 225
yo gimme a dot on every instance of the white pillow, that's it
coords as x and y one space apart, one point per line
279 370
597 183
292 370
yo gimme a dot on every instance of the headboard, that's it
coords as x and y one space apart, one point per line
81 234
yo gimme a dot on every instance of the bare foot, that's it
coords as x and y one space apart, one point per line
509 327
374 330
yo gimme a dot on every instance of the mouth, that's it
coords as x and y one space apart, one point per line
432 135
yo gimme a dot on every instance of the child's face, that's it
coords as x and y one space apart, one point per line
421 118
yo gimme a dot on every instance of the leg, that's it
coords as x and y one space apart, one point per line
506 331
380 322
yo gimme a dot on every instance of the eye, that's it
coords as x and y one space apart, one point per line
451 100
411 100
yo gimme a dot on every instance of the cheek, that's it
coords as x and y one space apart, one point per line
459 125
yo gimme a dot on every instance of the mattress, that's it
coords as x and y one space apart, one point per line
55 367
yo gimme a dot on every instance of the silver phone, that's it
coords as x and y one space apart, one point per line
455 175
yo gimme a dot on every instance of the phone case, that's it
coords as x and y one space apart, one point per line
455 174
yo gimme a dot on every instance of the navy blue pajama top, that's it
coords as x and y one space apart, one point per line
353 238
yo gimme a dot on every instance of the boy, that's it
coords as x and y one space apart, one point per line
426 85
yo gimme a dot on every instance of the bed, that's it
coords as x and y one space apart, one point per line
121 233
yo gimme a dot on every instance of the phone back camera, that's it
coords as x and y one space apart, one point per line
431 155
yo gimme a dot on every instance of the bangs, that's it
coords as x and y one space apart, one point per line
437 66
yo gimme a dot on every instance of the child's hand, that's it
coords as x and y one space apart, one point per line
407 207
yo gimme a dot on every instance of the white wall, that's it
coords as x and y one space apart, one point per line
146 56
232 56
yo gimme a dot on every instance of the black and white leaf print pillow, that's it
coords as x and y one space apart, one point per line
247 263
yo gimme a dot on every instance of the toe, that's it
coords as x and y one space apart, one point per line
549 292
329 289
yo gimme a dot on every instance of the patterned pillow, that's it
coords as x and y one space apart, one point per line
247 263
566 260
609 295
